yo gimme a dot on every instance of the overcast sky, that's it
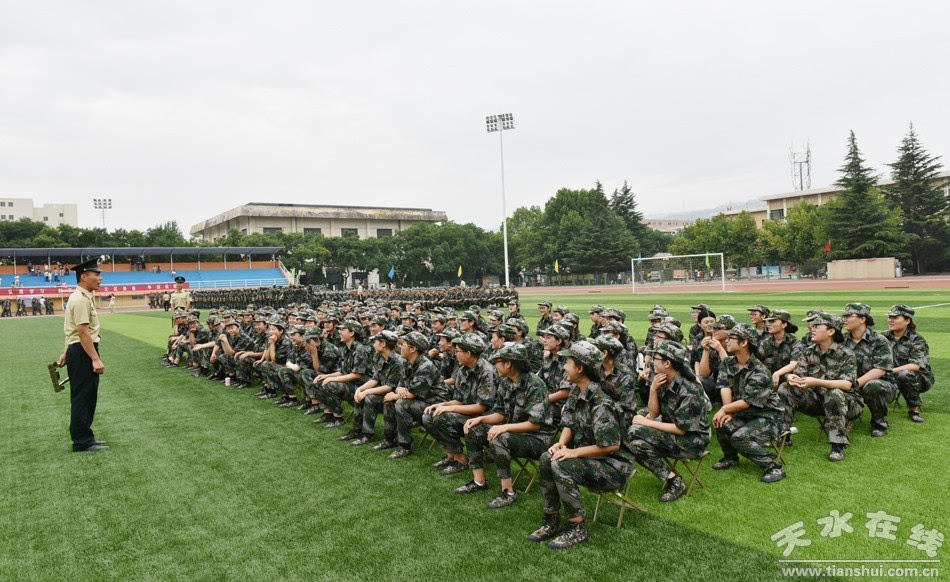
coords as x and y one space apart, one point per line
181 110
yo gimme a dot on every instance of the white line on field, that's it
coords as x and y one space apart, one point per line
934 305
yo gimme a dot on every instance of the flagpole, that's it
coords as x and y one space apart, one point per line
633 277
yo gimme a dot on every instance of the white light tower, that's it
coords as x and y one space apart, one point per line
102 204
501 124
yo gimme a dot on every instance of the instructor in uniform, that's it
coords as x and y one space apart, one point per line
81 356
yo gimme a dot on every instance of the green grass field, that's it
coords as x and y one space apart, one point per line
204 482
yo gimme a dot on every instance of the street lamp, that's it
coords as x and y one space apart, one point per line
102 204
501 124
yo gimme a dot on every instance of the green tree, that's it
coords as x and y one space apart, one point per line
623 202
922 202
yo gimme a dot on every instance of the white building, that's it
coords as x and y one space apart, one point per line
49 214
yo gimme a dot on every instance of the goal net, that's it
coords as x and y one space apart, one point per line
706 270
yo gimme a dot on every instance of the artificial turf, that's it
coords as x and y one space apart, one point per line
206 482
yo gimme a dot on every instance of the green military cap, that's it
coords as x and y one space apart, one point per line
380 320
901 310
563 310
779 314
280 323
761 309
475 309
408 315
417 340
596 309
862 309
469 315
656 315
449 333
611 345
546 303
511 351
296 329
571 317
672 332
386 336
608 312
178 279
673 351
212 319
496 315
724 321
232 322
193 319
282 311
451 315
505 331
746 332
672 321
613 327
439 317
584 352
260 316
824 318
470 342
314 334
352 326
515 302
657 307
519 324
701 306
332 318
402 329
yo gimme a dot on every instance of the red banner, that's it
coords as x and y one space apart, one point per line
67 289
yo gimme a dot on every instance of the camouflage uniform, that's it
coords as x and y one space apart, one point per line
526 402
354 359
593 418
203 356
750 430
911 348
389 372
287 379
838 406
240 343
621 386
710 383
683 403
270 370
423 379
775 355
245 368
873 351
472 386
329 357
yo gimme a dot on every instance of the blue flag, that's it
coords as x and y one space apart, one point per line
640 258
392 272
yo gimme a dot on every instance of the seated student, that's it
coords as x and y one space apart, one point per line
911 358
752 411
555 338
588 452
676 421
618 382
279 348
368 398
472 393
665 331
518 425
710 368
420 387
340 385
780 349
824 382
874 359
288 377
698 351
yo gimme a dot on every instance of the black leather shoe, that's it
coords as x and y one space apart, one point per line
102 442
92 449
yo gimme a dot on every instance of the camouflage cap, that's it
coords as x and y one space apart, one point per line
468 315
611 345
511 351
296 329
332 318
278 323
657 315
780 315
901 310
193 319
213 319
584 352
470 342
496 315
557 331
514 302
313 334
672 332
417 340
476 309
261 317
546 303
596 309
701 306
610 312
380 320
862 309
449 333
724 321
761 309
407 315
562 309
386 336
673 351
571 317
746 332
403 329
825 318
438 317
352 326
613 327
505 331
672 321
232 322
519 324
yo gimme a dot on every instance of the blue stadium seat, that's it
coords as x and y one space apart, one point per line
203 279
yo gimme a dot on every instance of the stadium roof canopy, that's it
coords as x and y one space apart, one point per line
16 253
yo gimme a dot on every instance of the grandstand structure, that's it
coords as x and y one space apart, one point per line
136 272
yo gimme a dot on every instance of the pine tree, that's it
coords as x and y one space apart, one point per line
922 203
860 224
624 203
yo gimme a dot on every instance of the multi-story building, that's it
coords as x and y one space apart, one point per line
49 214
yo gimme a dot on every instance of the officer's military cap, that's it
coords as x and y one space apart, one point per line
611 345
761 309
470 342
584 352
417 340
511 351
673 351
901 310
545 303
862 309
596 309
90 266
178 279
724 321
746 332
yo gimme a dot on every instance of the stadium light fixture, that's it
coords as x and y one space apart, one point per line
501 124
102 204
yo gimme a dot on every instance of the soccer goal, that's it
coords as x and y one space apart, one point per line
705 270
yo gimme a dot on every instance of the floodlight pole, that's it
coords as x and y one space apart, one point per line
500 123
102 204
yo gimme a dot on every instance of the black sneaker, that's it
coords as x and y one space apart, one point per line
773 474
675 488
400 453
336 423
878 433
914 416
316 410
575 533
383 445
471 487
725 464
353 434
504 500
305 406
283 400
453 468
549 528
290 403
443 462
836 454
361 440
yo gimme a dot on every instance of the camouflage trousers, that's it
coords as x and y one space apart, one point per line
364 419
560 480
650 446
505 447
831 403
281 378
912 385
400 417
750 438
203 357
877 394
333 394
446 429
310 389
710 387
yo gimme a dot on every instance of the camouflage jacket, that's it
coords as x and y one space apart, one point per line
911 348
544 323
594 419
838 363
686 405
873 351
258 342
202 335
525 402
695 332
621 385
301 356
476 385
423 379
697 355
355 359
329 356
242 342
753 384
552 373
775 355
282 350
535 351
448 364
389 371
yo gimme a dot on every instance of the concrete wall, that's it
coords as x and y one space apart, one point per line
881 268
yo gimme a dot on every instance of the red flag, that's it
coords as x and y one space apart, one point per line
828 246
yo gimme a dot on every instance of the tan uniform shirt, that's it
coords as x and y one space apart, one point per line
180 299
80 309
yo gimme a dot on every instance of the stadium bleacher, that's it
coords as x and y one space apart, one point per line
197 279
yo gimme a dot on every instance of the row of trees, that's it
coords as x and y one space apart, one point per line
908 219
